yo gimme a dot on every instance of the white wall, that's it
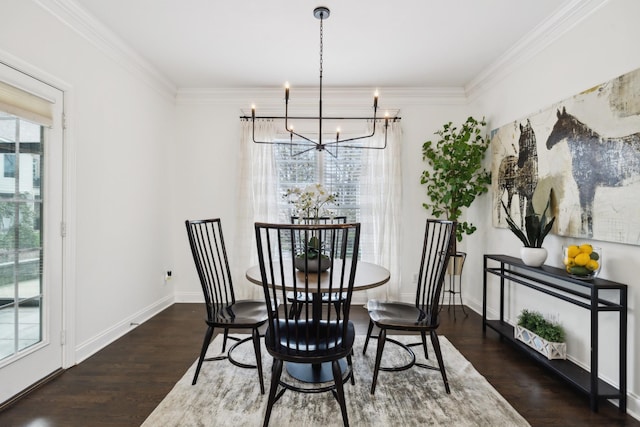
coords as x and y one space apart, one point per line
602 47
119 131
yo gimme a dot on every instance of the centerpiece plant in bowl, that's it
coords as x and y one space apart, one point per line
536 228
311 204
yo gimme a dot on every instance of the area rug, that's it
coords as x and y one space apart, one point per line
226 395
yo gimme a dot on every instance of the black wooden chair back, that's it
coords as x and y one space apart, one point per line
299 299
223 311
437 248
321 333
422 316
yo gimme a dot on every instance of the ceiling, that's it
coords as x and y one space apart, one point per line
367 43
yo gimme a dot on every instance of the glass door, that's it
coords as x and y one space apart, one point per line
30 234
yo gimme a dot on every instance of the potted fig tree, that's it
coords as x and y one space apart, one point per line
456 176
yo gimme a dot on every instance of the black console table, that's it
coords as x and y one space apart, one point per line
586 294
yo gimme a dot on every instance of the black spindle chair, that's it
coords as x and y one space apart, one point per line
423 315
223 310
318 342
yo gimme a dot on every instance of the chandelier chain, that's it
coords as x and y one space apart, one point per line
321 43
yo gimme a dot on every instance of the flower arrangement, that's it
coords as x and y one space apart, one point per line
311 202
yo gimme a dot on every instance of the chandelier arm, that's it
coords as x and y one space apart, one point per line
304 151
253 137
386 127
301 136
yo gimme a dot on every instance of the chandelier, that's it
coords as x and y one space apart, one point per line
304 143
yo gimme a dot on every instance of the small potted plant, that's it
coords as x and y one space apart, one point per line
311 203
536 228
548 338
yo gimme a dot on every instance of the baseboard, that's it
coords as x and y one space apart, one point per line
98 342
189 297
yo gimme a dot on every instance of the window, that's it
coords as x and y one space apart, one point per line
9 165
340 175
368 184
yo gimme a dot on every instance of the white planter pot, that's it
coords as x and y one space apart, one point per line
533 257
552 350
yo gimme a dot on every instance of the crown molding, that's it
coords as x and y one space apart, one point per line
567 17
547 32
342 98
76 18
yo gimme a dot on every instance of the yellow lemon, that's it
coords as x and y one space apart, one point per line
586 248
569 262
582 259
572 251
592 265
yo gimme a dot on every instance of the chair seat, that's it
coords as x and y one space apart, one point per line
303 342
244 313
398 315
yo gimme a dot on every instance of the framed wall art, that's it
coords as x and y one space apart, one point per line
585 151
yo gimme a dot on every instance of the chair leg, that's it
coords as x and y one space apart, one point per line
337 378
203 352
350 363
424 344
381 341
436 348
224 341
293 311
276 371
366 341
256 348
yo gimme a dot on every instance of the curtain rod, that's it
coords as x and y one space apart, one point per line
391 119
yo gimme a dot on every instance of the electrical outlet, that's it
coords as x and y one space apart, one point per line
167 275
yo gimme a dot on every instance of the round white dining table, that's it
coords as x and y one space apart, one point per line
368 275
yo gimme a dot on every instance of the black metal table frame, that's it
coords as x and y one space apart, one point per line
585 294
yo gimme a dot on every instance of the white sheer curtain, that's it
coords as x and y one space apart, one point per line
380 189
257 201
380 209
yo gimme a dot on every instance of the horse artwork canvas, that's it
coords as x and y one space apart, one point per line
518 174
587 150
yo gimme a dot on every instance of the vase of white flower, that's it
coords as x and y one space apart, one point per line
311 204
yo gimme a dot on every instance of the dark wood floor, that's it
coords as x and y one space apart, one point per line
123 383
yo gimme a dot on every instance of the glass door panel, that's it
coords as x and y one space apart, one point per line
31 245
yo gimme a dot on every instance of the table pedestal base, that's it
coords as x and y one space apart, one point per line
314 373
